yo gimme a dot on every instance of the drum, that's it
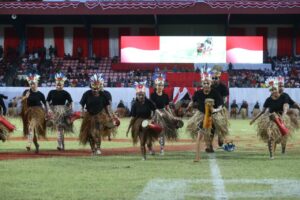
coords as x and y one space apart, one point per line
74 116
113 123
10 127
155 127
145 123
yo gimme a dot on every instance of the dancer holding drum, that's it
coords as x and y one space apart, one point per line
274 125
208 119
141 124
163 115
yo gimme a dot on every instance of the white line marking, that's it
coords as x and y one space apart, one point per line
180 189
160 189
218 183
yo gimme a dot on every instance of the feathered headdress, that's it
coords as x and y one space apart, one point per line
272 82
159 78
140 86
60 78
217 70
280 80
205 74
96 80
33 78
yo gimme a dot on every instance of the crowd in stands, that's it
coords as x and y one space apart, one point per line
289 68
14 68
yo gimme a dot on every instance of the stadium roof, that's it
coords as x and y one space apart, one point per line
150 7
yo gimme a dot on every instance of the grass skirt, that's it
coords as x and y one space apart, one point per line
255 112
194 124
244 113
109 128
233 112
35 116
294 117
267 129
136 129
60 118
4 133
23 116
168 122
219 119
92 126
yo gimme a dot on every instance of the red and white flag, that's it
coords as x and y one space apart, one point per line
244 49
179 93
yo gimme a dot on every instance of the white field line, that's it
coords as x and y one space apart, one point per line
179 189
160 189
218 182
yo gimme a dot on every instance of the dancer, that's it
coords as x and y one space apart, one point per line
224 92
60 102
255 110
96 105
234 109
244 110
163 115
274 125
141 122
208 119
34 112
110 129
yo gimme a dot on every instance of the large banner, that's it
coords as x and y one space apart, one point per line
194 49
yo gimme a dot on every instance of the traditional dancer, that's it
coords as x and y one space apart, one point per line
121 111
233 109
163 115
109 129
274 125
140 124
33 113
223 91
209 118
244 110
218 85
256 110
60 103
96 116
294 107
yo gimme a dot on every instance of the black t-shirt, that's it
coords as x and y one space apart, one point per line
275 105
291 102
244 105
142 110
160 101
121 105
94 104
233 105
222 89
59 97
35 98
256 106
108 95
199 98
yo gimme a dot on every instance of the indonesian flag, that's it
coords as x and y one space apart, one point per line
244 49
140 49
179 93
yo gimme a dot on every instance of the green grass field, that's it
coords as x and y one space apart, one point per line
246 173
